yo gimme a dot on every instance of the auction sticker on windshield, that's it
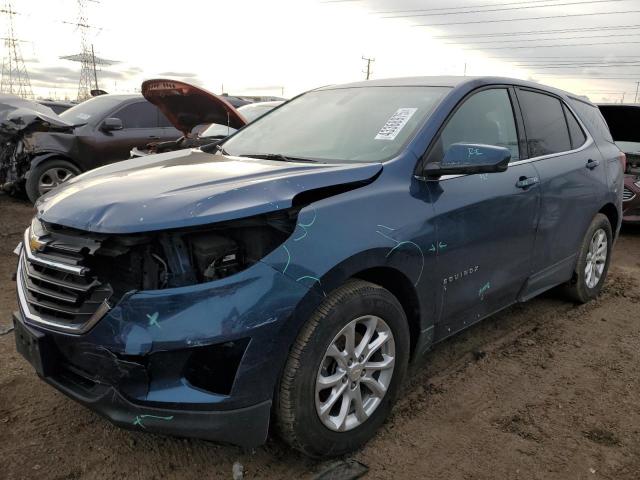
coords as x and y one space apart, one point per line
395 124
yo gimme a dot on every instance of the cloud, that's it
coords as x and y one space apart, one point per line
178 74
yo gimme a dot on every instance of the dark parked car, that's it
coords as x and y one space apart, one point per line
294 271
624 124
45 153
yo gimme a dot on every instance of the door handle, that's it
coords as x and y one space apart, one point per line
591 164
526 182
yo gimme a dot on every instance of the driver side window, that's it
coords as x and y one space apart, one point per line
484 118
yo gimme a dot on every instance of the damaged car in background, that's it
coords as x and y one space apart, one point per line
41 150
200 115
287 276
624 124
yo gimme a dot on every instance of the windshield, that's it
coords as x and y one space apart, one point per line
366 124
82 112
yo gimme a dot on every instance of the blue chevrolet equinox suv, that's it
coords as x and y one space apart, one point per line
290 273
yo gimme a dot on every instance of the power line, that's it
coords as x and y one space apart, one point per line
556 45
463 7
571 59
562 57
569 67
546 39
503 9
539 32
502 20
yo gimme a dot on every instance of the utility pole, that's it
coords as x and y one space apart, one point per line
622 99
368 70
15 79
635 99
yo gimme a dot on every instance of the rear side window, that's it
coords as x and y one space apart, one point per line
138 115
485 118
592 119
544 121
575 131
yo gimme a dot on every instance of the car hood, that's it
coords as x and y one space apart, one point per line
20 115
186 106
187 188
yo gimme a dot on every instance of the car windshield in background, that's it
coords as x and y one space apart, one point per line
82 112
253 111
250 112
366 124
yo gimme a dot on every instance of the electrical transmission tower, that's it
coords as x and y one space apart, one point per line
15 78
86 57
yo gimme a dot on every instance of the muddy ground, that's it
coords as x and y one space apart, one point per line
544 390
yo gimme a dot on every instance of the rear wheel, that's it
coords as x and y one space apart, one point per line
593 261
47 176
344 371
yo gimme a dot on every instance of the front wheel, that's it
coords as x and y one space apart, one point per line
593 261
47 176
344 371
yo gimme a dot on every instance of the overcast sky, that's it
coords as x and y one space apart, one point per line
271 47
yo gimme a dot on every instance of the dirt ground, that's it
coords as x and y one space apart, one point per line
544 390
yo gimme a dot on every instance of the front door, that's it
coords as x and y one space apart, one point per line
485 223
140 122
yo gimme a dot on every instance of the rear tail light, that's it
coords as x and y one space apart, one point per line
623 161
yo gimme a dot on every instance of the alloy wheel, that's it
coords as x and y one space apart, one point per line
53 177
355 373
596 258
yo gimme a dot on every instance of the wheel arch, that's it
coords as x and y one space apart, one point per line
611 212
400 287
40 158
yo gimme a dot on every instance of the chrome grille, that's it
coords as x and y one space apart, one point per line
57 290
627 195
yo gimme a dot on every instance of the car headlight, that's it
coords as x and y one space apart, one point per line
36 232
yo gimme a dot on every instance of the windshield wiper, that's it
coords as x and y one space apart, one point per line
278 156
213 148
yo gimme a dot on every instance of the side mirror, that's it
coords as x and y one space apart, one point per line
469 158
111 124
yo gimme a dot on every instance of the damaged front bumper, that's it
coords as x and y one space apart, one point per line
199 361
247 427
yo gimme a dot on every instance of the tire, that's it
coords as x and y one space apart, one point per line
584 287
298 404
50 172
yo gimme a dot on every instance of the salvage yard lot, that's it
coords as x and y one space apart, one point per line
545 389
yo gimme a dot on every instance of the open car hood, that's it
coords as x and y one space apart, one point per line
18 115
186 106
187 188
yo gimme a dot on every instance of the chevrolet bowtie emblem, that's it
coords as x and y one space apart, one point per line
35 244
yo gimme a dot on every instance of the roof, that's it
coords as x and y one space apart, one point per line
450 81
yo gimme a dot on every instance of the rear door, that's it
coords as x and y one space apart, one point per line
485 223
572 175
